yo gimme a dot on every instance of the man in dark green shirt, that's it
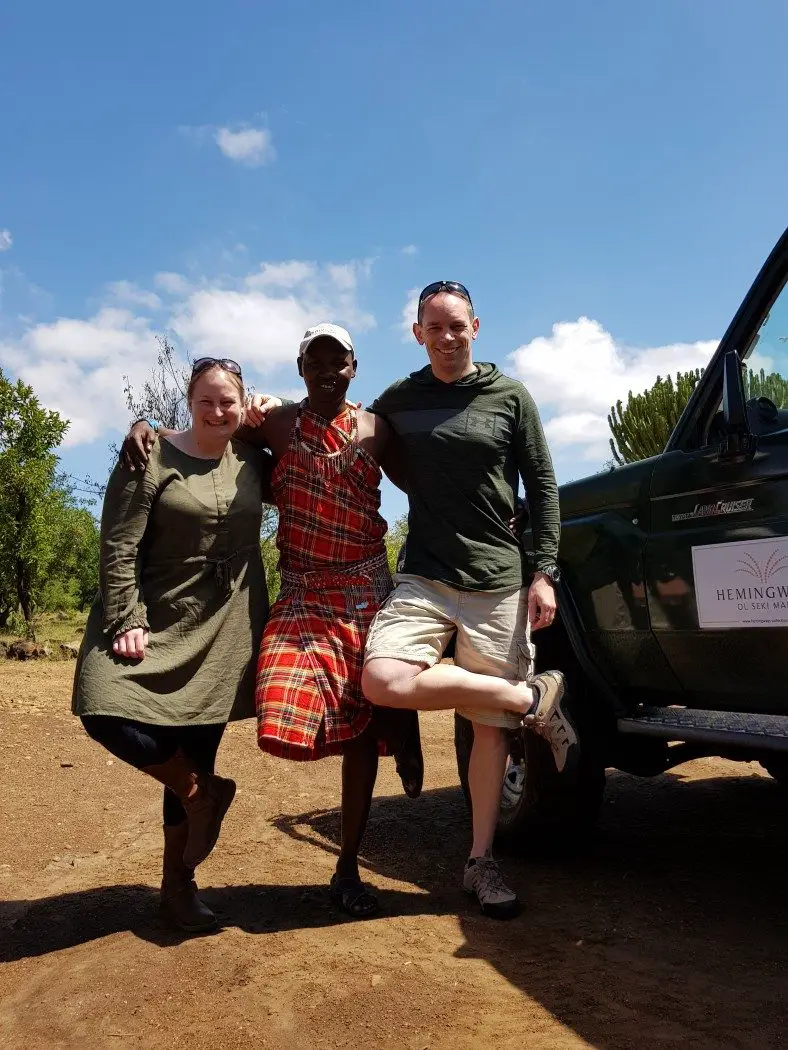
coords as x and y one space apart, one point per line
466 434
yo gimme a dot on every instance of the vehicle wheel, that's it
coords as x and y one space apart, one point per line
777 768
539 805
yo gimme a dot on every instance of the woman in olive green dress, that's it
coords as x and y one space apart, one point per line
167 657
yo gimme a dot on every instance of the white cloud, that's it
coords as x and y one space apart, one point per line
263 318
410 249
241 143
344 276
261 329
285 275
579 371
579 428
757 361
6 240
172 283
77 365
409 312
250 146
128 292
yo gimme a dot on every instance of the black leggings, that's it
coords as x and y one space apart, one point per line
141 744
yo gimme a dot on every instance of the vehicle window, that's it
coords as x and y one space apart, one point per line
765 376
767 355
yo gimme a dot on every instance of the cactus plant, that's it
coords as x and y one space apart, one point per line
642 427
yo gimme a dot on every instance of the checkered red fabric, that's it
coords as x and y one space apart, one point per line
327 489
334 579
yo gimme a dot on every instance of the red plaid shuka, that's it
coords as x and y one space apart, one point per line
334 579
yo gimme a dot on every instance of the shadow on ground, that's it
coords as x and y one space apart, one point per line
35 928
672 924
52 924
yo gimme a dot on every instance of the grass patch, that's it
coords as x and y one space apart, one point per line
53 628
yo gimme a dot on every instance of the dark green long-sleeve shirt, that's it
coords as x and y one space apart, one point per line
463 447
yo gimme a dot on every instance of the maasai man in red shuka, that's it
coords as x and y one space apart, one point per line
335 576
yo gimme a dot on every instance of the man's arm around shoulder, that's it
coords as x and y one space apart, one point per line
272 432
139 441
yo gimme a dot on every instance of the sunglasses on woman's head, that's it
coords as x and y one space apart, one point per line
226 363
444 286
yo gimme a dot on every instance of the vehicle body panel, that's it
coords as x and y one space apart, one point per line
628 536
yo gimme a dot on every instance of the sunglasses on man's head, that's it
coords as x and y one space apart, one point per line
226 363
443 286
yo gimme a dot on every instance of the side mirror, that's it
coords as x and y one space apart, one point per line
739 440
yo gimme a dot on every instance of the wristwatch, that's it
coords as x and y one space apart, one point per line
552 572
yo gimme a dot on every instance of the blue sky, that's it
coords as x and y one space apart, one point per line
606 178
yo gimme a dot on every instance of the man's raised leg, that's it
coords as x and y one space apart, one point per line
443 687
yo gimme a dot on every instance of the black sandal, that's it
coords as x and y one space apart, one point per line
352 897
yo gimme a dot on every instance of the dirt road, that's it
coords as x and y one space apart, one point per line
670 932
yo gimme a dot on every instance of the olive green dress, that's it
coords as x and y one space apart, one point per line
180 555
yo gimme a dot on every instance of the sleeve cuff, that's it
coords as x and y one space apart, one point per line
138 617
543 561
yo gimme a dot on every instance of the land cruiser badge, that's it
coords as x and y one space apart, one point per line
715 510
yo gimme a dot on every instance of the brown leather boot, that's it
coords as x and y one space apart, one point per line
206 798
180 904
206 809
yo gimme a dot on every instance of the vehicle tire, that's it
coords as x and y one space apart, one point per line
777 768
540 807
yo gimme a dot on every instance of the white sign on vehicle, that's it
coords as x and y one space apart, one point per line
742 584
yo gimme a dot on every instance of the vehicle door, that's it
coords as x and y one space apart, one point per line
716 561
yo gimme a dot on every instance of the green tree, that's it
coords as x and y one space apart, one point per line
395 539
269 552
642 427
73 577
28 532
758 384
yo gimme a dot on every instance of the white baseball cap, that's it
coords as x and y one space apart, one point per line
333 331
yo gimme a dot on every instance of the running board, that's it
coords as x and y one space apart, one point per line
728 728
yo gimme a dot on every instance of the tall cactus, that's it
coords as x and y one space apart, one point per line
642 427
758 384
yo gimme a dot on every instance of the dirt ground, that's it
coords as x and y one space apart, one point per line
669 932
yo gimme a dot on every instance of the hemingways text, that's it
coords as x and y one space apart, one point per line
763 595
742 584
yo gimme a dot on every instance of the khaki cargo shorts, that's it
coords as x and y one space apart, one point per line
420 616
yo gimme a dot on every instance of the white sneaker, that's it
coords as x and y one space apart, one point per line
482 878
549 719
